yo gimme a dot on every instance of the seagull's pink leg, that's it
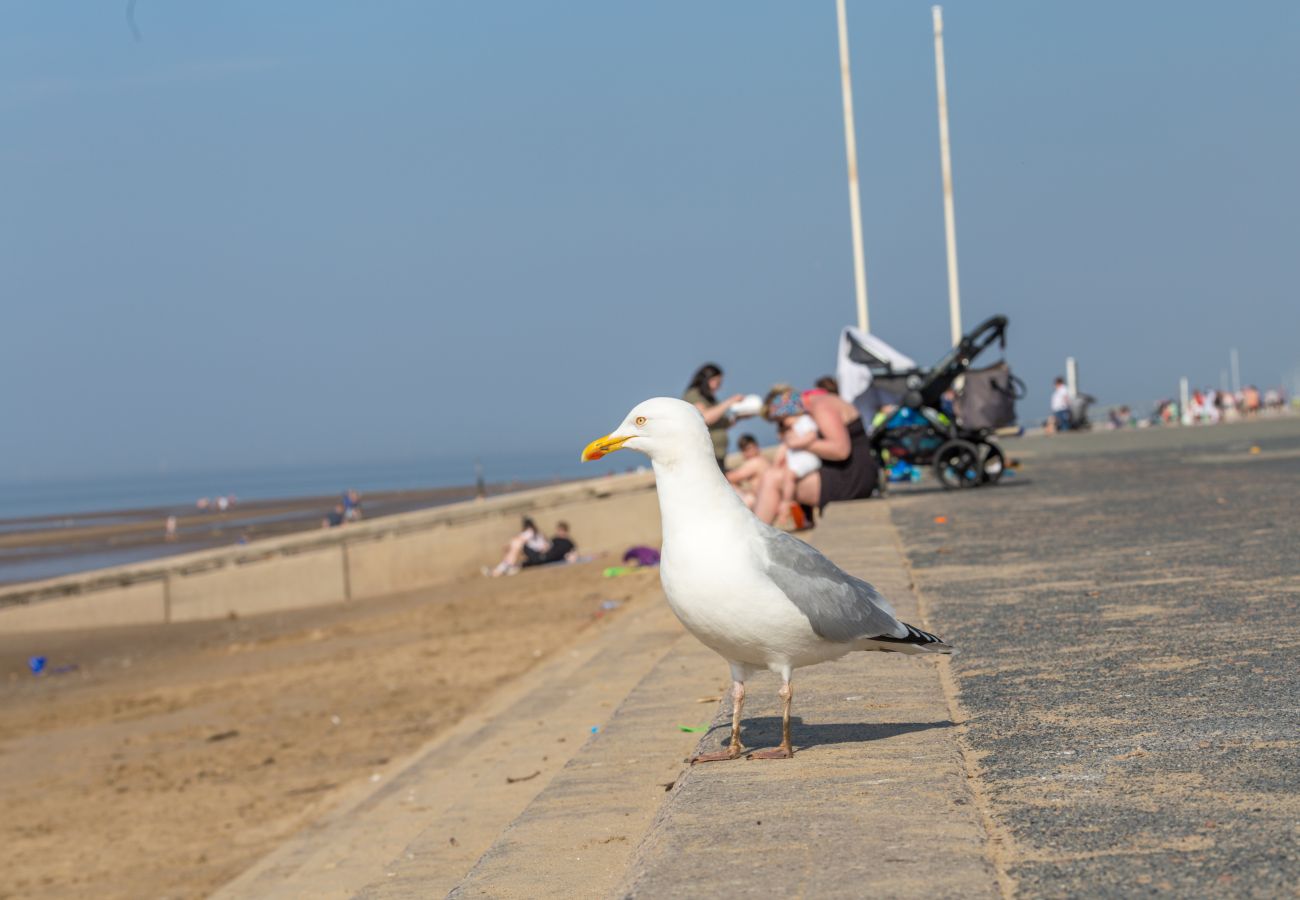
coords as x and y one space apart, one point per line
785 751
736 748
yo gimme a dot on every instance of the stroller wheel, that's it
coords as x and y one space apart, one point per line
993 465
957 464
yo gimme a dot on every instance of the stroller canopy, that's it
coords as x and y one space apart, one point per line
871 373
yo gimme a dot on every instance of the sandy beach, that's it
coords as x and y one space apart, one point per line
172 757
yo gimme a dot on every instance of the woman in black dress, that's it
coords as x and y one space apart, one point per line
849 470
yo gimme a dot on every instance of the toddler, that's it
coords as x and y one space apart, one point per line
797 432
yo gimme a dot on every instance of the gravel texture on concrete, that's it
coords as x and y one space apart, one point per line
1126 612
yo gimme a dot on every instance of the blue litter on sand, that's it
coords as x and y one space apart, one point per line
595 728
37 664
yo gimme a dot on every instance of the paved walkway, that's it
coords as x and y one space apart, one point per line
876 800
1128 609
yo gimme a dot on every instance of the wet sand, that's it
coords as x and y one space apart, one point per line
48 546
174 756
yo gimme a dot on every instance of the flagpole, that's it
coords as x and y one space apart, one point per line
949 223
851 150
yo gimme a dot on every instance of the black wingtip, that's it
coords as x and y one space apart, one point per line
915 636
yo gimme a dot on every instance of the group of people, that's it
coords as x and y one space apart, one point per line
348 509
1209 407
1204 407
530 547
824 454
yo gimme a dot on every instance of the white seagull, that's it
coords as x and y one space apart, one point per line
755 595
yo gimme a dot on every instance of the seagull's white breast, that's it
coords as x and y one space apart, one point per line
716 585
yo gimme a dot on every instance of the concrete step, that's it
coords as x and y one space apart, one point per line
443 807
578 835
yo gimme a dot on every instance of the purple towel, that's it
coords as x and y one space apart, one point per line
642 556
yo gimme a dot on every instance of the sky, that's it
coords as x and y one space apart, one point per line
304 233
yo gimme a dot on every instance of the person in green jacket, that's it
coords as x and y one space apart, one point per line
703 393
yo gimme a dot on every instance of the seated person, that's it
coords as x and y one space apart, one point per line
529 539
334 518
561 549
744 478
795 462
848 470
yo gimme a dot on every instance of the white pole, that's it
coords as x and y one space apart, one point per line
851 150
949 223
1184 398
1236 370
1071 377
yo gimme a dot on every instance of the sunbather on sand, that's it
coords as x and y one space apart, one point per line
529 540
532 548
562 549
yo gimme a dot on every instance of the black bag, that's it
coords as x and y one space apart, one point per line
988 398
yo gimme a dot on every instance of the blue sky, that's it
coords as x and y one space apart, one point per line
312 233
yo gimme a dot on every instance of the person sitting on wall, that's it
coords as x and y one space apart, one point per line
744 478
848 470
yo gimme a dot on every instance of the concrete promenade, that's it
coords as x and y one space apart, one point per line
1121 717
1128 613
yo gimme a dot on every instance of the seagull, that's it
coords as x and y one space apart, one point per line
755 595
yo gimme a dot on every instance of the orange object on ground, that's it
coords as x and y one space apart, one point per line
800 520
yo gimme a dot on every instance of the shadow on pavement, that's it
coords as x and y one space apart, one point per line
765 731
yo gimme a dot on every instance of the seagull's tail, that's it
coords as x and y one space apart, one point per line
916 641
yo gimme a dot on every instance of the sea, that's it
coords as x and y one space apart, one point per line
56 507
168 489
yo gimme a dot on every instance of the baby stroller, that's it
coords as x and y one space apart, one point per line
914 423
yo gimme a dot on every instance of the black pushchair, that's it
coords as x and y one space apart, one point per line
915 422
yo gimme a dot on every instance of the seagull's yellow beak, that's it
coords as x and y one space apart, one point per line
602 446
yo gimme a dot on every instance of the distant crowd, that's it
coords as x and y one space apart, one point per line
1210 407
1204 407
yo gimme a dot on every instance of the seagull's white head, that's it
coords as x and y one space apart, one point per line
663 428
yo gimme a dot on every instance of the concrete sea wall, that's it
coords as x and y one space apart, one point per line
340 565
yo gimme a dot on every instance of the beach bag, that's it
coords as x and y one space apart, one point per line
988 398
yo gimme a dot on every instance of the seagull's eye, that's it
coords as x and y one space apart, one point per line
640 420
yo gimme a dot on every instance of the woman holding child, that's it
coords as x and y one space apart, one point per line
839 464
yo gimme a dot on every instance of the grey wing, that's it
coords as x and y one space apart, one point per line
840 607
